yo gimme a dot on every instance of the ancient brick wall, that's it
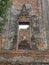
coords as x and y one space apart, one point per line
33 3
13 56
35 8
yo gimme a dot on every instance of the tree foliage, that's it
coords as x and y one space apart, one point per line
4 6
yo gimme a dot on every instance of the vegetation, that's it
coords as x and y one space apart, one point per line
4 7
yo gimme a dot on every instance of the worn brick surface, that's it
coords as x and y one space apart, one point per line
35 5
37 56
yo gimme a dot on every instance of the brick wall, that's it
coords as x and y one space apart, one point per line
36 55
34 4
19 3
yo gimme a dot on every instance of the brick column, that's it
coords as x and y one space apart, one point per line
44 19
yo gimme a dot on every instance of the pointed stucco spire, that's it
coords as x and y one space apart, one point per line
24 10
